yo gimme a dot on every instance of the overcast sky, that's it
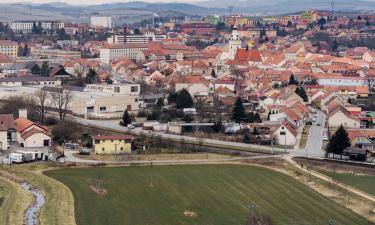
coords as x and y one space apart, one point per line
81 2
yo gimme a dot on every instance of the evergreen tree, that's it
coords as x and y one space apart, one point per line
92 77
213 73
255 131
257 118
184 99
247 138
302 93
45 69
250 117
25 50
159 103
292 80
338 142
35 70
218 126
238 114
172 97
269 115
125 119
34 30
61 34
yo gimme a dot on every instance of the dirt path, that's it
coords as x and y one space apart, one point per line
330 180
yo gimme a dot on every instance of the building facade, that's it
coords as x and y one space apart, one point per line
101 21
9 48
113 52
112 145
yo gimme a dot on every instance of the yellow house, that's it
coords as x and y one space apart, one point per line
9 48
109 145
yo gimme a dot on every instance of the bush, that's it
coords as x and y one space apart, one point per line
142 113
66 131
50 121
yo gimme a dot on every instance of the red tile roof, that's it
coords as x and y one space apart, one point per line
252 55
114 137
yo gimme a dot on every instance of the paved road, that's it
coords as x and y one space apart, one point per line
114 125
69 157
315 139
313 145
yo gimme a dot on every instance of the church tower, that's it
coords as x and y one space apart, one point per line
234 43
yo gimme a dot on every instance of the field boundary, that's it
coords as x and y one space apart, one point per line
332 181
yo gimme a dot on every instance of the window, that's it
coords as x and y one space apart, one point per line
103 108
103 149
134 89
121 148
97 141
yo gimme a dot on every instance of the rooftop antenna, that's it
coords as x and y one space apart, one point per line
332 7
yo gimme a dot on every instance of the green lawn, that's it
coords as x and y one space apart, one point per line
5 194
363 183
219 194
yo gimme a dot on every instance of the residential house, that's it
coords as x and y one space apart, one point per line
341 116
109 145
7 121
30 134
194 84
285 134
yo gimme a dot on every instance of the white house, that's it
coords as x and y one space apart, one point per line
341 116
31 135
285 135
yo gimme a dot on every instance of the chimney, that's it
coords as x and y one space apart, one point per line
22 113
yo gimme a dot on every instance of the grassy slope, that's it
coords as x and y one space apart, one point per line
5 195
58 208
219 195
363 183
15 202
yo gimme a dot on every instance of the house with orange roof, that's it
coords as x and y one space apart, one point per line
362 138
230 84
223 91
79 67
341 116
5 60
194 84
30 134
275 61
252 56
292 52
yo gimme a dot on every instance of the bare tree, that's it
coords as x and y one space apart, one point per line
61 98
370 83
41 104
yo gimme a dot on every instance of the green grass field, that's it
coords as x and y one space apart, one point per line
5 194
219 194
363 183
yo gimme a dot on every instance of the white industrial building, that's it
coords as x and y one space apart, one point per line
112 52
101 21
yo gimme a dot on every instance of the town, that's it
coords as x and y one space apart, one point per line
156 118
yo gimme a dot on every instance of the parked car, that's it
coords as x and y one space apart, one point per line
85 151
